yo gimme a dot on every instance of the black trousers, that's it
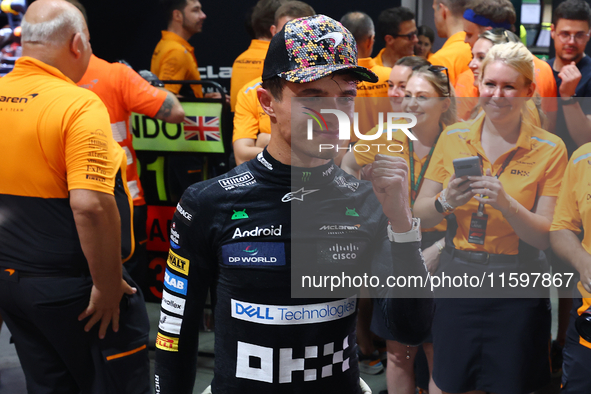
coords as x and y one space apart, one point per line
56 354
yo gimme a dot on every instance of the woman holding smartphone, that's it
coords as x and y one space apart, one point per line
429 97
502 220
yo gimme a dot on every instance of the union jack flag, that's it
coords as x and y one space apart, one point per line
202 128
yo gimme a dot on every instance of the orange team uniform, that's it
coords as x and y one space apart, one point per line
123 91
174 59
249 117
247 66
536 170
59 140
455 54
368 103
380 146
545 87
573 212
378 59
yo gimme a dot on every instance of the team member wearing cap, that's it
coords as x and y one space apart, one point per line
291 345
494 345
252 127
425 87
572 215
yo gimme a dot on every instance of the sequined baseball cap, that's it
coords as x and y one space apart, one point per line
310 48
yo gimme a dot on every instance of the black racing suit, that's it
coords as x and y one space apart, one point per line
235 233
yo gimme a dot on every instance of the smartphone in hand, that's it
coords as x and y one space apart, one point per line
468 166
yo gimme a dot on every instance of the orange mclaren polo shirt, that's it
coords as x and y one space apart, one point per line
247 66
455 54
123 91
536 170
573 211
372 97
55 137
378 59
249 117
174 59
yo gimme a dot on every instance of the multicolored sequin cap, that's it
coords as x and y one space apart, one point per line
311 48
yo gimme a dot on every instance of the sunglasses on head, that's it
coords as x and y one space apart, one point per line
435 70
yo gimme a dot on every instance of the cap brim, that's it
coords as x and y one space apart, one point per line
313 73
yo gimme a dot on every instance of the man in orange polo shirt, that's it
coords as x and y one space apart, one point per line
571 216
455 53
252 127
60 237
368 105
249 64
398 28
173 57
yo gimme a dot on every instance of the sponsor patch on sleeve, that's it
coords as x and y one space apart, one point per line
185 214
173 303
169 344
170 324
260 254
175 283
178 263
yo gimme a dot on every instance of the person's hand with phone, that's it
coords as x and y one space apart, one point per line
458 191
489 190
459 188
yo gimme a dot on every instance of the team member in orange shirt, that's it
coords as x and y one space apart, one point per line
483 15
398 28
469 106
61 239
572 215
252 127
249 64
368 103
124 91
455 53
501 222
174 58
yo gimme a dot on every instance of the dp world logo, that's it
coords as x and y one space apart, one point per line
345 128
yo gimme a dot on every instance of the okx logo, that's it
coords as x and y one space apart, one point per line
393 122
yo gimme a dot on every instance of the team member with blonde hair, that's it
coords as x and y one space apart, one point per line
502 220
468 104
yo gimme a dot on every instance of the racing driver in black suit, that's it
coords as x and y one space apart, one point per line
254 233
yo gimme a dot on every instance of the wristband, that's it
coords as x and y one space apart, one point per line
412 235
569 101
